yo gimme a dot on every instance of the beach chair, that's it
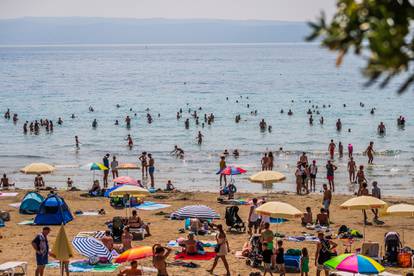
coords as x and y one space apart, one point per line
10 268
372 250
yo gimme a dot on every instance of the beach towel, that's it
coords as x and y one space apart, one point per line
8 194
15 205
27 222
207 256
149 206
83 266
93 213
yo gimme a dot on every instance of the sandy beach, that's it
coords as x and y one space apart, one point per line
16 239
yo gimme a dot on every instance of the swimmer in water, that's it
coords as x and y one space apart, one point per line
381 129
269 128
128 121
94 123
187 123
236 153
73 116
116 122
281 111
60 121
91 109
199 138
311 120
340 149
290 112
372 111
370 152
262 125
76 142
321 120
338 125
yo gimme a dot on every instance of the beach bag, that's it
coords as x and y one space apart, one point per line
404 260
5 216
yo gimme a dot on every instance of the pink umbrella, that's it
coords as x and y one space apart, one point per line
125 180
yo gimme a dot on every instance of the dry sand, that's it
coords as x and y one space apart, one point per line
15 243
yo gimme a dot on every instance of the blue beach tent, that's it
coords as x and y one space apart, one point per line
31 203
53 211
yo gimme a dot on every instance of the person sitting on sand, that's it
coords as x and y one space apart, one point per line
195 225
307 217
160 255
5 182
108 241
169 187
96 188
136 222
322 218
190 245
39 183
133 271
126 239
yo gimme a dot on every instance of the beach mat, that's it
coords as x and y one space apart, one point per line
207 256
87 214
26 222
150 206
84 266
15 205
8 194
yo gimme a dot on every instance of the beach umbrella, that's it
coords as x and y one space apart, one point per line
95 166
267 177
401 210
125 180
128 166
196 211
355 263
129 190
91 247
231 170
135 253
363 203
108 191
277 209
37 168
62 250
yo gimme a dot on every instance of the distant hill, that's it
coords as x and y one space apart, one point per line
83 30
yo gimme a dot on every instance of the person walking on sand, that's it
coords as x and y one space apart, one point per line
313 170
105 161
144 167
151 169
253 219
323 253
327 199
351 170
222 167
159 258
370 152
330 172
41 245
331 149
376 192
221 249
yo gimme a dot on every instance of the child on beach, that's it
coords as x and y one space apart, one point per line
280 258
304 262
267 259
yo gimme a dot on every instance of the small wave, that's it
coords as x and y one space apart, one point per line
22 156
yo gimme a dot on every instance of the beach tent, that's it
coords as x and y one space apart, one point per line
31 203
53 211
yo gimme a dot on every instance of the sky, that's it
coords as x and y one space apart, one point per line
285 10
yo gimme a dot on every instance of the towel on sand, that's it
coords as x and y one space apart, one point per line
8 194
15 205
149 206
84 266
183 256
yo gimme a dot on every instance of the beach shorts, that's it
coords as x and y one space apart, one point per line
254 224
41 259
330 177
151 170
321 267
313 176
326 204
266 266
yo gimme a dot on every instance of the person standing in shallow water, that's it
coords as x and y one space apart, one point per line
340 149
222 165
370 152
330 172
151 169
331 149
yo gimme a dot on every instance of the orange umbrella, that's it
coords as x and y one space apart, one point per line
135 253
127 166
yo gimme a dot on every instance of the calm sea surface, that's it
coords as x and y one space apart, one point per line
51 82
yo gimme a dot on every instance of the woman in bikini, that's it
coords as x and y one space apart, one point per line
222 249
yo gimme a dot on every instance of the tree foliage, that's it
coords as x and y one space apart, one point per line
378 28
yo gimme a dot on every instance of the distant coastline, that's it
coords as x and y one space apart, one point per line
92 31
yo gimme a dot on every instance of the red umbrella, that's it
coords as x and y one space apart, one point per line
231 170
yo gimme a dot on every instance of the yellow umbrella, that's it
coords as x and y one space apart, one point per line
267 177
36 168
62 250
401 210
363 203
129 190
276 209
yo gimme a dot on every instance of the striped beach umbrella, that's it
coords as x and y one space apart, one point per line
355 263
196 211
91 247
231 170
136 253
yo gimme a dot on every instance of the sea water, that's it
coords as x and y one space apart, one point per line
57 81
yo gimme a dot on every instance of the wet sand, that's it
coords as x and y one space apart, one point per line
15 243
